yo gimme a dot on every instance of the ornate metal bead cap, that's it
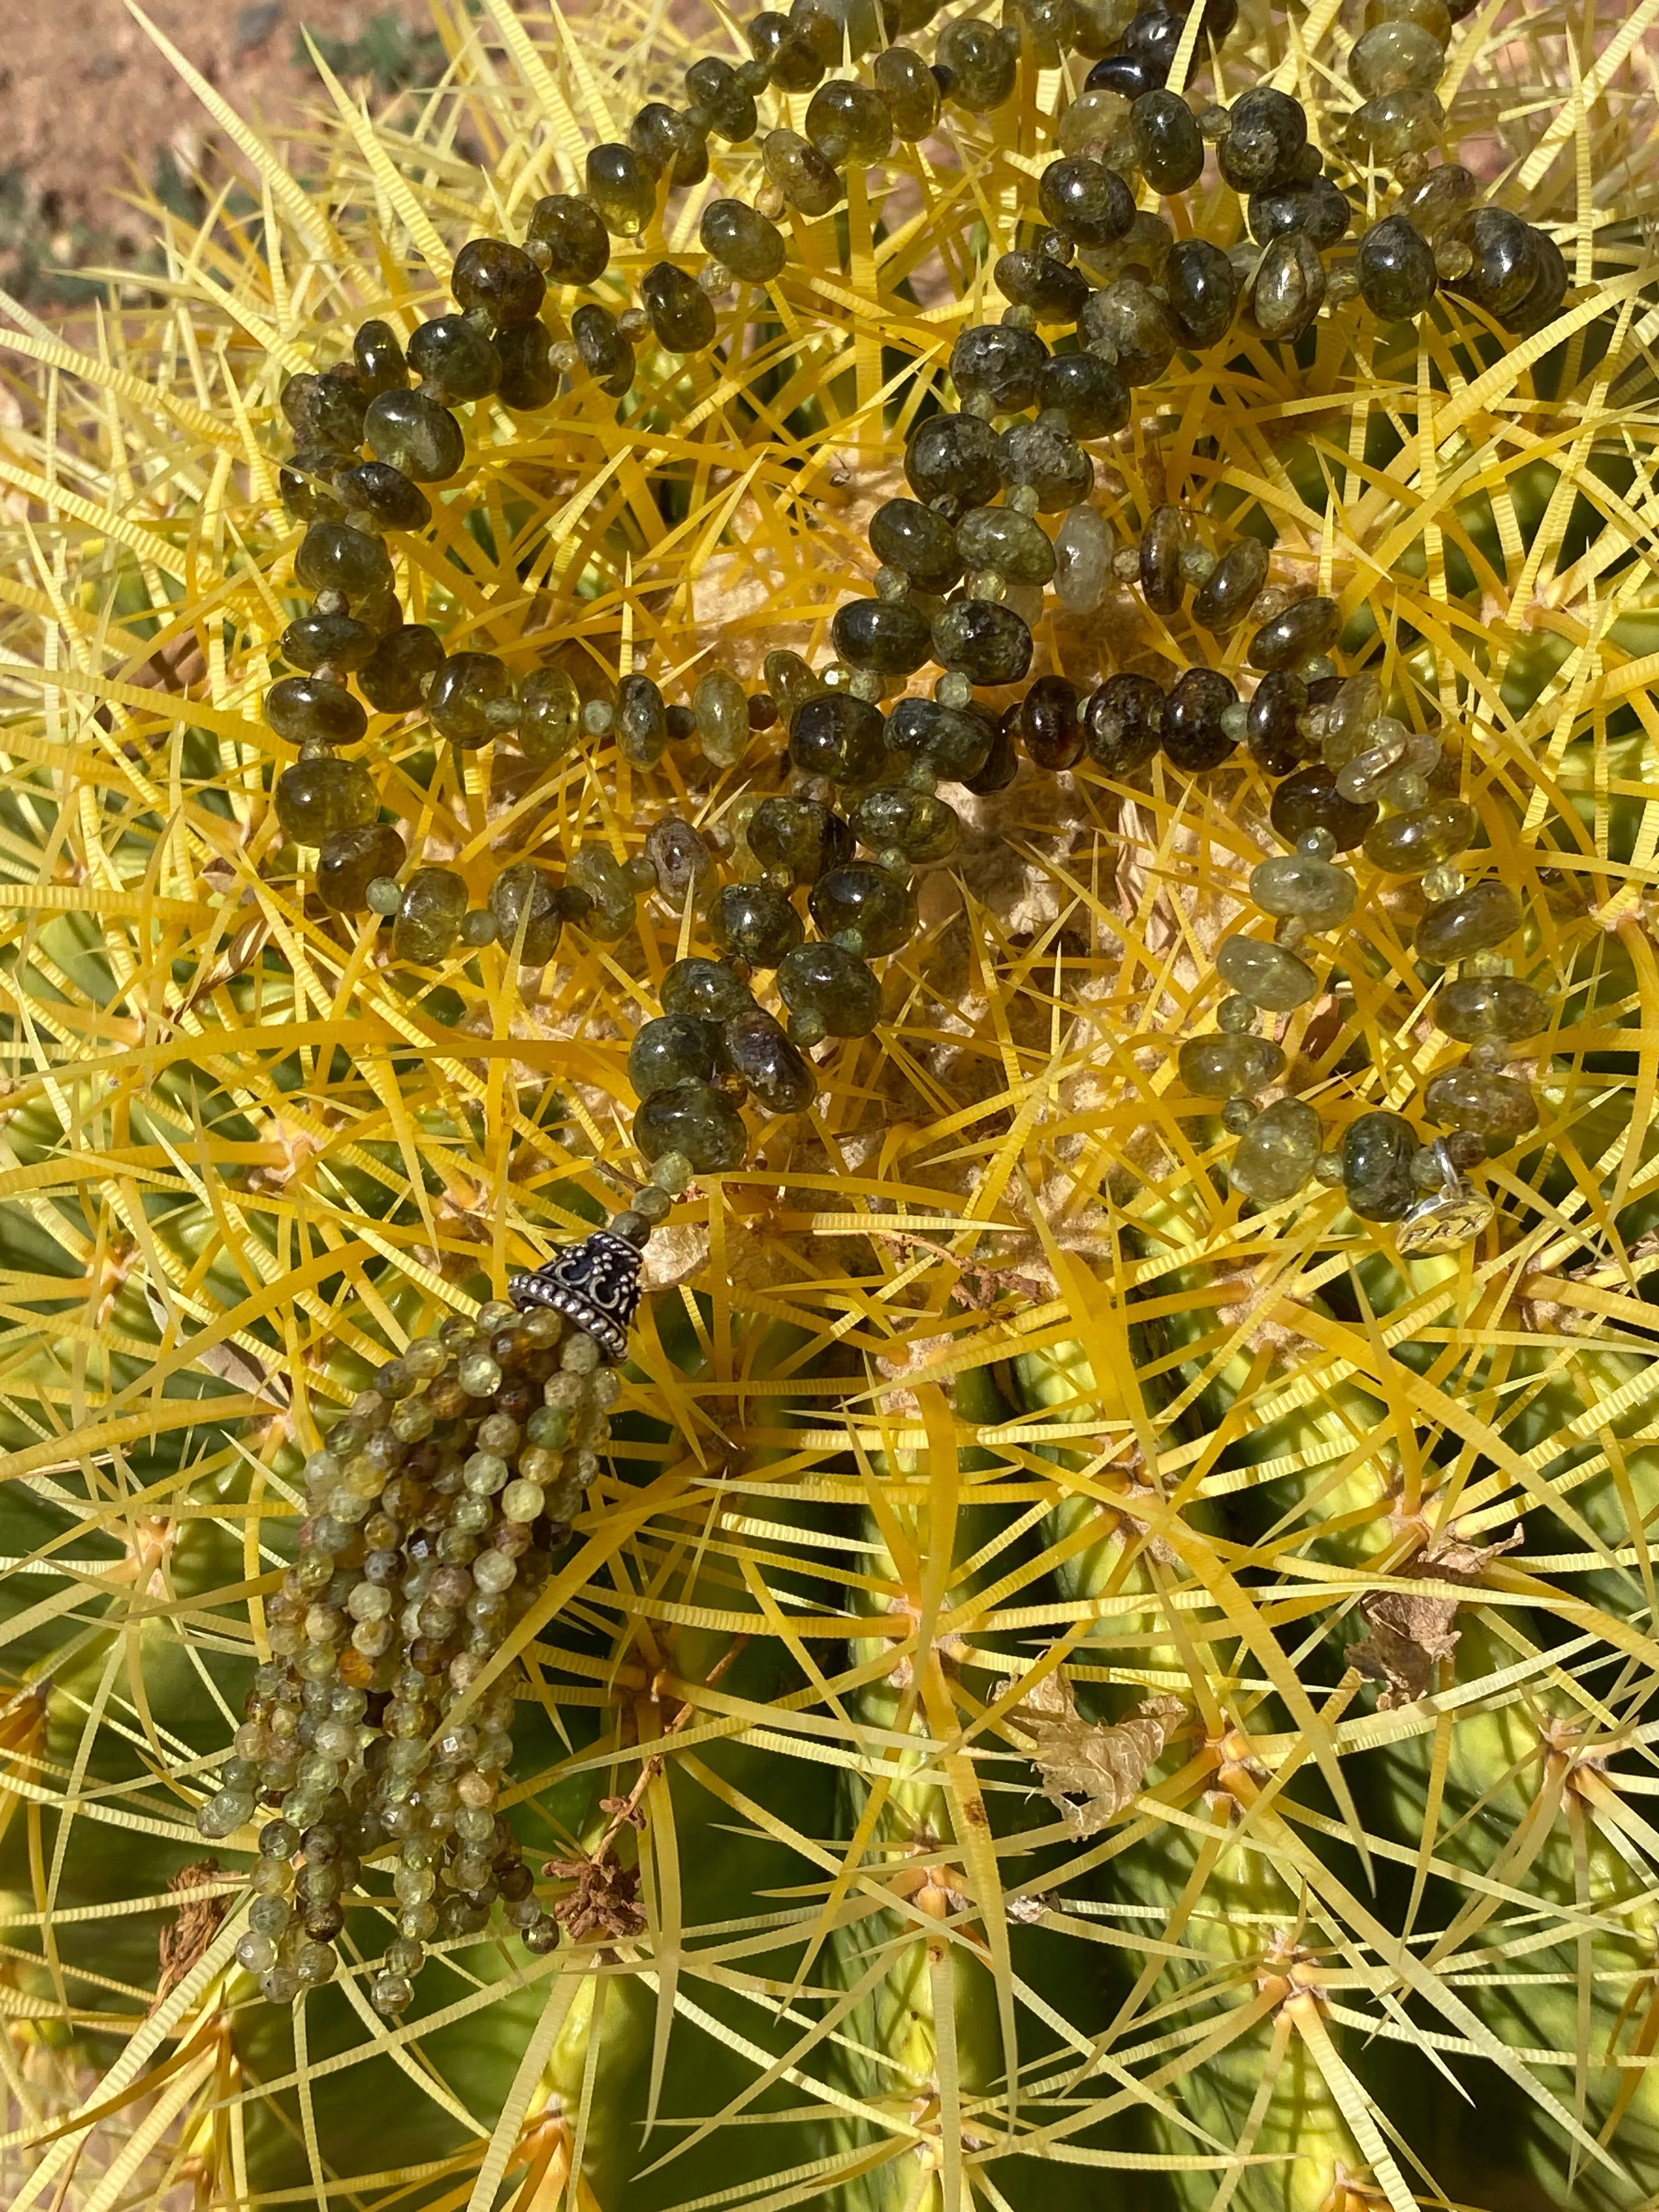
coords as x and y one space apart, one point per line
596 1283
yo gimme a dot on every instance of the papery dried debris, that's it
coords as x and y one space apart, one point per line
603 1901
186 1936
1410 1633
1093 1770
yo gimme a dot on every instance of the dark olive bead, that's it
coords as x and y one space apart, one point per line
1290 287
1122 73
753 1046
755 923
1085 201
908 821
1318 208
953 456
847 122
334 557
529 379
694 1119
1310 800
981 62
668 145
1267 130
745 241
641 721
1475 921
499 280
1193 738
682 314
621 188
412 432
1130 318
1479 1007
429 918
1275 739
306 481
795 64
1377 1153
575 243
1087 390
1010 544
795 167
1549 288
1232 587
1123 723
467 686
379 359
1505 264
317 798
1051 723
606 353
1161 584
1152 39
998 363
837 735
833 983
905 535
526 895
911 91
306 709
984 641
385 495
890 636
455 358
392 676
1202 286
715 89
800 835
1168 140
1002 761
683 861
1498 1108
833 25
707 988
1048 459
326 641
1395 269
1305 628
676 1049
952 744
350 861
1054 292
861 897
326 410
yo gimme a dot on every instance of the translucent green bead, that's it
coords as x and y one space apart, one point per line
597 870
790 59
888 636
1304 628
1267 130
1441 201
681 312
1395 57
668 145
606 353
721 707
567 237
682 862
550 715
327 642
1266 975
429 916
910 90
987 643
1231 588
717 93
907 535
675 1048
1290 287
1276 1154
1396 123
861 897
836 735
847 122
1202 286
707 988
1045 459
325 410
1396 271
743 241
696 1120
1127 317
1229 1067
471 699
392 678
800 835
1498 1108
524 894
1001 538
412 432
641 721
922 828
1474 921
499 281
351 860
948 744
1477 1008
334 557
1377 1153
1297 883
385 495
315 799
378 358
1410 844
791 683
622 189
308 710
833 983
754 1047
982 64
529 379
797 170
953 456
755 923
1161 544
456 357
1168 140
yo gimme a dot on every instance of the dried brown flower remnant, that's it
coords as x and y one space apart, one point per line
188 1934
1408 1633
604 1900
1103 1766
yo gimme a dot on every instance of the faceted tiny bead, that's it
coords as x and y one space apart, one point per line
607 356
1087 390
1304 628
1275 1155
681 313
307 709
411 431
378 358
1266 975
334 557
1377 1153
797 170
1477 1007
721 707
988 643
1496 1108
550 715
574 245
1229 1067
754 1047
1475 921
1395 57
1266 130
499 280
467 688
1168 140
907 535
754 922
1083 554
706 987
1290 287
673 1048
953 456
982 65
394 677
349 862
745 241
1085 201
385 495
847 122
428 917
827 981
1396 271
922 829
527 894
1311 890
316 799
910 90
696 1120
860 896
887 636
1124 723
837 736
1051 723
621 188
798 835
1202 286
1195 738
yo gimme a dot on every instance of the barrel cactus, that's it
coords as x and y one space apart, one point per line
968 700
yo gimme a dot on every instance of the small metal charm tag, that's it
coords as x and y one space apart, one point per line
595 1284
1455 1214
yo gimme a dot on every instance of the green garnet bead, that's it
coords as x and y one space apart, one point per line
722 98
847 122
694 1119
1498 1108
1290 287
1306 627
1276 1154
379 359
499 281
1014 545
721 708
1310 889
682 314
1087 391
1480 1008
641 721
667 144
596 870
865 900
1085 202
334 557
950 745
1231 588
350 861
983 64
743 241
754 1047
840 736
1474 921
1267 130
834 984
707 988
566 238
910 823
1410 844
889 637
316 642
1377 1153
1168 140
1123 723
325 412
1202 286
606 354
310 710
674 1048
1229 1067
413 433
1266 975
1161 543
755 922
529 379
550 715
1397 56
985 642
394 677
800 837
907 535
795 168
621 188
1131 322
953 456
1043 456
456 358
471 699
429 916
524 896
317 798
1308 799
385 495
1396 271
1194 734
910 90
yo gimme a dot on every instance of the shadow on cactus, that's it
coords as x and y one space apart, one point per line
965 703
